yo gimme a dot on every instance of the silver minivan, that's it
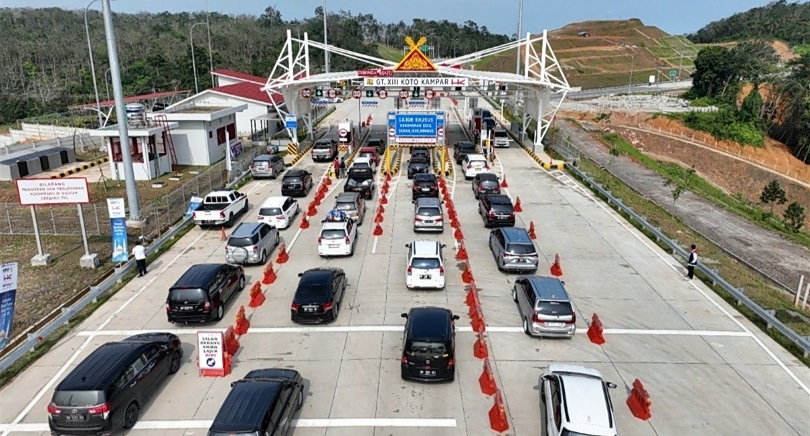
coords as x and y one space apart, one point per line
513 250
266 165
428 215
251 243
545 307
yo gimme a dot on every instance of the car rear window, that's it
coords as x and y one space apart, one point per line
555 308
489 183
267 211
322 145
311 294
466 146
333 234
78 398
425 263
294 179
261 163
477 162
191 294
424 348
244 241
361 164
345 206
521 249
429 211
368 155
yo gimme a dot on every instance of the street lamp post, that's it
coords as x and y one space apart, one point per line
632 67
210 53
519 33
92 64
106 86
193 59
325 40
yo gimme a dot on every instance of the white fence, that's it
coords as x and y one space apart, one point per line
79 142
29 131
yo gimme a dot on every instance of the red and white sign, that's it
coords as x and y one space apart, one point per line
392 131
211 354
306 93
404 93
375 72
331 93
440 131
476 132
430 94
382 93
343 133
356 93
36 192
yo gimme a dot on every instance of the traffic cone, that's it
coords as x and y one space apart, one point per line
222 235
378 218
283 256
461 254
457 234
269 274
503 183
384 199
472 296
304 223
256 296
328 181
388 178
596 330
556 267
497 415
480 348
487 380
518 207
378 230
227 363
242 324
532 234
381 209
312 211
466 275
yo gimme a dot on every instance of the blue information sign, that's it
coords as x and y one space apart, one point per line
415 125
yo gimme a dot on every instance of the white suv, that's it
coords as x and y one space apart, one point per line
278 212
474 164
337 238
425 268
364 162
577 401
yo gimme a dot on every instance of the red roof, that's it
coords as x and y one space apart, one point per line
248 91
240 76
133 99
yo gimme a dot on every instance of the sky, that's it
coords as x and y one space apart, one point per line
500 16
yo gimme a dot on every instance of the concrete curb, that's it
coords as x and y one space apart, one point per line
81 168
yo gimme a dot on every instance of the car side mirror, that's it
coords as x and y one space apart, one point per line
408 245
300 274
456 317
562 282
611 385
404 315
444 245
546 377
233 384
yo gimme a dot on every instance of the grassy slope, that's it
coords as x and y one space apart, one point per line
388 53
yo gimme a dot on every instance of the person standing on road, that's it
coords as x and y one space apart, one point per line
342 168
139 252
691 263
336 164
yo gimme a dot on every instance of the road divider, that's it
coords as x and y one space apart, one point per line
486 381
269 274
556 267
241 323
596 330
257 297
497 415
639 401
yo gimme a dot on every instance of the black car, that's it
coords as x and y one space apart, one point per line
418 165
318 296
420 151
485 183
425 185
105 392
200 294
360 180
296 183
430 344
262 403
377 143
496 210
462 149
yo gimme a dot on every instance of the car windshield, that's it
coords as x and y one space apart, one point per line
573 433
316 293
501 134
360 181
521 249
425 263
333 234
421 178
423 348
77 398
429 211
180 295
245 241
555 308
267 211
345 206
322 145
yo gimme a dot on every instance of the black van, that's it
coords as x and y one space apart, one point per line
429 345
105 391
261 404
201 293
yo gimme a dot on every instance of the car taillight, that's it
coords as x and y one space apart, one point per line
222 214
469 167
439 219
207 305
418 218
415 187
535 318
253 167
99 410
573 319
53 410
327 306
259 218
168 308
482 187
512 215
294 307
279 217
319 240
404 360
491 213
255 249
450 363
347 240
410 270
441 270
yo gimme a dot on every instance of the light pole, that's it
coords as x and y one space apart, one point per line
210 53
106 87
120 112
325 40
193 59
92 64
519 33
632 67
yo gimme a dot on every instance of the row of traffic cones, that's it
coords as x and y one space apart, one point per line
378 216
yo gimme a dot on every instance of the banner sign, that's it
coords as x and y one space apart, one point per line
8 295
416 125
193 205
210 354
375 72
237 149
118 227
35 192
432 82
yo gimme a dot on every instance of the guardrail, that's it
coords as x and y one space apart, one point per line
738 293
51 323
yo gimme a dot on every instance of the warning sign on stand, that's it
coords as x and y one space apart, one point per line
36 192
210 355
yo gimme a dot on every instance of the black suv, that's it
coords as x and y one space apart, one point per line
200 294
296 183
360 180
420 151
418 165
263 403
462 149
429 345
377 143
425 185
496 210
485 183
105 391
318 296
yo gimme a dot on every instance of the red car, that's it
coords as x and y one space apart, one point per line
371 153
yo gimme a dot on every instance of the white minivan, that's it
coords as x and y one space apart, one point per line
474 164
425 268
278 212
337 238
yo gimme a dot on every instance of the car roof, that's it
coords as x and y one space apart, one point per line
516 234
499 199
246 405
475 156
425 248
548 288
347 196
317 276
429 322
294 173
246 229
368 149
197 275
466 144
274 201
581 389
99 370
218 194
425 177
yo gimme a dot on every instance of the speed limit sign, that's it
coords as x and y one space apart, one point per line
332 93
356 93
430 94
306 93
404 93
382 93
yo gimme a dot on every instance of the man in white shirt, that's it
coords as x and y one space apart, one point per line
139 252
691 263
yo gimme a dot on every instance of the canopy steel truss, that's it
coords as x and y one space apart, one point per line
542 77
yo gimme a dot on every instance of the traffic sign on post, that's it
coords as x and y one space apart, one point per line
331 93
357 93
404 93
673 73
291 121
318 92
343 133
430 94
382 93
306 93
369 93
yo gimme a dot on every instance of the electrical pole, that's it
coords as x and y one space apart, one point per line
325 40
210 53
519 32
120 112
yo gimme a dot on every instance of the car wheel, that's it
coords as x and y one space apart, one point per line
526 327
514 295
229 223
278 238
220 312
300 399
241 283
131 415
263 260
174 364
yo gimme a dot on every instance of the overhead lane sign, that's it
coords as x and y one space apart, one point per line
399 82
415 126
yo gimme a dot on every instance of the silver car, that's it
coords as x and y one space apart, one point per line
251 243
513 250
545 307
428 215
352 204
266 165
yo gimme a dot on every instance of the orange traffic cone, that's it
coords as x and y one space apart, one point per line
384 200
283 256
532 234
242 323
457 234
378 230
304 222
462 253
378 218
556 268
480 348
269 274
518 207
504 184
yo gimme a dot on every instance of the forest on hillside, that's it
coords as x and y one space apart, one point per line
788 22
45 66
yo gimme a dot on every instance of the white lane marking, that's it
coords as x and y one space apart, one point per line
87 341
295 238
397 328
714 302
312 423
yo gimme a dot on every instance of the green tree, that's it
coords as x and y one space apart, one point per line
794 215
682 181
751 108
773 193
753 60
714 69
